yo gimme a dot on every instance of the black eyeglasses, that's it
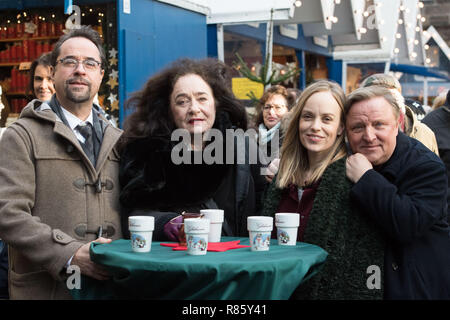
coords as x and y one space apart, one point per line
72 63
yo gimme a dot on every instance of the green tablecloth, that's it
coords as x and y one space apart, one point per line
234 274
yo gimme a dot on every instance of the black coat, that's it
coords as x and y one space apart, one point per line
153 185
439 121
407 198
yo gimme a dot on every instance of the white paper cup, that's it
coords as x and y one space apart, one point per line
287 226
259 229
215 217
196 236
141 229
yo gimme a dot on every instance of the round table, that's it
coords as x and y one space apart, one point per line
231 275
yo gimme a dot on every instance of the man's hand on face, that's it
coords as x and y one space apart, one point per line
356 165
87 267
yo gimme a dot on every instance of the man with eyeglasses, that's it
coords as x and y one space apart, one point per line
59 177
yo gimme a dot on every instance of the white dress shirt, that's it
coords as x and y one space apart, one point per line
74 121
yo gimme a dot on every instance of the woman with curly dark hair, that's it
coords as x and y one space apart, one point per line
195 96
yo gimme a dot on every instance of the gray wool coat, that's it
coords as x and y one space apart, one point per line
52 199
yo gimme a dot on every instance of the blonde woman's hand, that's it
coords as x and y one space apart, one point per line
272 169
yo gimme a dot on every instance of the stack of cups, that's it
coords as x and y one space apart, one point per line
141 229
196 236
215 216
287 225
260 229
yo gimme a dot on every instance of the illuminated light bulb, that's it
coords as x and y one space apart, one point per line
398 35
402 7
362 30
427 60
334 19
337 1
417 29
90 10
426 47
413 54
416 42
383 39
419 16
423 19
366 14
298 3
53 15
420 4
396 50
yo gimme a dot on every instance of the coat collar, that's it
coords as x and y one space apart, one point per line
393 165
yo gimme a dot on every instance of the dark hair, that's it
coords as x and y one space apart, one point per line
152 115
273 90
43 60
83 32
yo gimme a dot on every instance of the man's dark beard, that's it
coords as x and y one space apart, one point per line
74 96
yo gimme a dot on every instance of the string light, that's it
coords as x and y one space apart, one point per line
396 50
298 3
420 4
426 47
398 35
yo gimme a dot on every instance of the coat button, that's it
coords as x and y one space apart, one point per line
394 266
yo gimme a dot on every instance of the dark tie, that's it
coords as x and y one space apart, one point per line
88 146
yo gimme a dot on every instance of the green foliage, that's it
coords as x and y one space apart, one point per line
244 70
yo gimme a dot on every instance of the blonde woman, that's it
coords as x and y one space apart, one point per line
312 182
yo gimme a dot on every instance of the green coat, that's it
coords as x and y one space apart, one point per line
351 240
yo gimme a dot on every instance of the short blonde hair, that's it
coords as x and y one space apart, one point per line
367 93
294 158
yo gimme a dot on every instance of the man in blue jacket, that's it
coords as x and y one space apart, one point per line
402 187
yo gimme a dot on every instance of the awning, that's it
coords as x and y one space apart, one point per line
419 70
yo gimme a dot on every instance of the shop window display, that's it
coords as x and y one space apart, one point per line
28 33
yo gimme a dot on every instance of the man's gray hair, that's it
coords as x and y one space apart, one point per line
366 93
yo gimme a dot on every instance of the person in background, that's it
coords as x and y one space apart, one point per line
312 182
189 97
401 188
439 101
408 122
439 121
41 83
272 106
294 95
59 176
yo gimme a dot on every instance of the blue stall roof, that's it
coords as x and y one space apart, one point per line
419 70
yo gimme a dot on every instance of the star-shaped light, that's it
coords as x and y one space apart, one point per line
113 61
112 98
112 83
112 53
114 74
